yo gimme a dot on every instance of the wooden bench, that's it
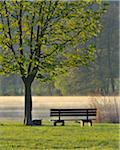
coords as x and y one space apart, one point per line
80 115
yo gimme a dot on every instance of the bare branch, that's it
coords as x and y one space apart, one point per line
20 28
31 42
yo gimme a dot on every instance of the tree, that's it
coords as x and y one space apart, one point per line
36 38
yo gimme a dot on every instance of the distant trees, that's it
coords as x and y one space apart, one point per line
11 85
108 53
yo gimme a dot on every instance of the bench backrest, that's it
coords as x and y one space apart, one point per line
89 112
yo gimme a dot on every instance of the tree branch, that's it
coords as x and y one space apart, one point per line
20 29
31 42
41 30
9 30
38 32
10 45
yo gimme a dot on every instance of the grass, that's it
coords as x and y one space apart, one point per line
16 136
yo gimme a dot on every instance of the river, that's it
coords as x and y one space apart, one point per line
12 107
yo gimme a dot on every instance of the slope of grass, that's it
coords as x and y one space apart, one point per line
15 136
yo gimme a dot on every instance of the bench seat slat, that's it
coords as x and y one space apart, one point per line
82 109
73 114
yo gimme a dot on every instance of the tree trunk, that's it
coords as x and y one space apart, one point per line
28 104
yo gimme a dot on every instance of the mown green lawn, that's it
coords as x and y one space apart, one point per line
16 136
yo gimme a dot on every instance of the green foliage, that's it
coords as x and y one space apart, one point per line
71 136
102 76
76 82
44 89
42 37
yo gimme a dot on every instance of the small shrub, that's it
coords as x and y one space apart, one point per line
108 108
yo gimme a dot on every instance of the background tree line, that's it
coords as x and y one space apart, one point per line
101 76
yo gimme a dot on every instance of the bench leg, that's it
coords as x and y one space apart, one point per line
82 123
90 123
55 123
63 123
